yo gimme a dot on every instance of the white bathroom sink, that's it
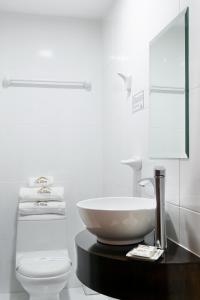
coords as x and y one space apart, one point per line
118 220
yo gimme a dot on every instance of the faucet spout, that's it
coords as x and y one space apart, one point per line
145 181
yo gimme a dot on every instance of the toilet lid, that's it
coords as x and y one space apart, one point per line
43 265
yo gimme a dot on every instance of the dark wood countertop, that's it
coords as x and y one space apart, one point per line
106 269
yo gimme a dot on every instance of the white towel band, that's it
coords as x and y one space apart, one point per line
42 208
40 181
35 194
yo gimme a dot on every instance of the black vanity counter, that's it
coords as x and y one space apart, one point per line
107 270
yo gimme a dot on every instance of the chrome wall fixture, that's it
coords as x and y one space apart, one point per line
84 85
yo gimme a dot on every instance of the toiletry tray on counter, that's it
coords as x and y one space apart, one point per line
107 270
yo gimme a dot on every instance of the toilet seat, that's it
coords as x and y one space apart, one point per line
43 264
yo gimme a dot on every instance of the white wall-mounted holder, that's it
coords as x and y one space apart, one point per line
46 84
135 163
127 82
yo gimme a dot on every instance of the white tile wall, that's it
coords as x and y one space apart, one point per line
127 31
173 221
194 7
189 230
189 171
48 131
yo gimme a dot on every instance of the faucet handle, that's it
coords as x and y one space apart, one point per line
145 181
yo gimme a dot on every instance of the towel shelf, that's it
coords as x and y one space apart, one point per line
84 85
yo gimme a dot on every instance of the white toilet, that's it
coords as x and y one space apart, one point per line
42 261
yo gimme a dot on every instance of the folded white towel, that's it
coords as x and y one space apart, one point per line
40 181
42 208
41 194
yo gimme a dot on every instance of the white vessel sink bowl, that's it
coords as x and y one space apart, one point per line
118 220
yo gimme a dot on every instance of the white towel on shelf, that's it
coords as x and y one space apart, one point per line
42 208
40 181
41 194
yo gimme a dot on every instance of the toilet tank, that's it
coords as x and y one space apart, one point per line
42 233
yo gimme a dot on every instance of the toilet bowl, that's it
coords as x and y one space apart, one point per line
43 274
43 289
42 261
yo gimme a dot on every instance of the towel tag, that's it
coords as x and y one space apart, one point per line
39 203
41 180
44 190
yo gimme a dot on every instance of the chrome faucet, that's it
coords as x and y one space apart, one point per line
158 183
160 233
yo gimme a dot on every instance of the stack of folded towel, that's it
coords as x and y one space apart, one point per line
41 197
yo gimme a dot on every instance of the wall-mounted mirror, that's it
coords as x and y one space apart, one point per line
169 91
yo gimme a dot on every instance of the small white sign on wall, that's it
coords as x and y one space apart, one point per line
138 102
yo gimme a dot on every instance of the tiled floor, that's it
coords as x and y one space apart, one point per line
71 294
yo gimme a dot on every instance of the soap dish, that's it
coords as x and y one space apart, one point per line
144 252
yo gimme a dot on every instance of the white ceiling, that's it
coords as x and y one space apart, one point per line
94 9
